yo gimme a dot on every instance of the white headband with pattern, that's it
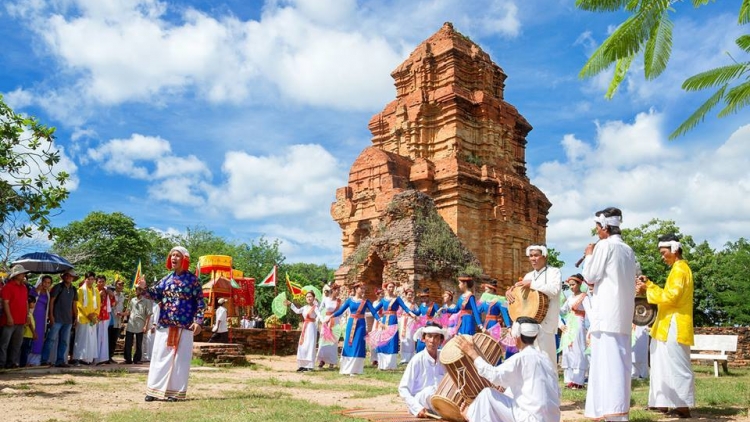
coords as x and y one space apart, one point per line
673 245
608 221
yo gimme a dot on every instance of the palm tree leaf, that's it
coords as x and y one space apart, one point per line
621 69
658 48
736 98
697 3
744 42
744 16
699 114
601 5
715 77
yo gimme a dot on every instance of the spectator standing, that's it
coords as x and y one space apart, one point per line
29 334
15 298
115 319
85 350
41 314
139 316
220 329
62 312
148 338
107 301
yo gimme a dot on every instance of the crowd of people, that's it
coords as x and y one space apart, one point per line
587 331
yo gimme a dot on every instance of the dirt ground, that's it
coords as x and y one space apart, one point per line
121 387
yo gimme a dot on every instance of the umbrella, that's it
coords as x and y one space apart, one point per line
315 290
43 263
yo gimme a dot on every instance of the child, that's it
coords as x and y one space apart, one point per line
29 333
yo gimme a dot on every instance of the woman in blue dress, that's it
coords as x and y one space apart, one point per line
388 353
427 312
466 307
491 306
353 354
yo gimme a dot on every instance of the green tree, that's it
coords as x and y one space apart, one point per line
648 31
731 283
102 242
30 183
707 308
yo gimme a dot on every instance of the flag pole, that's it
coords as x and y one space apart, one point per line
274 326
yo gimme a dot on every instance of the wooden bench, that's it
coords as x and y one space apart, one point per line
719 344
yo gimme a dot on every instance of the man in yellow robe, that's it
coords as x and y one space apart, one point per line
672 386
85 349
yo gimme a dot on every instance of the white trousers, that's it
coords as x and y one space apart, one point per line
672 379
608 392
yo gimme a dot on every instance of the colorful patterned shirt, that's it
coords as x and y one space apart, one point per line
180 299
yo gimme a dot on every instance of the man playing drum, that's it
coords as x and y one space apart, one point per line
424 371
609 270
529 379
547 280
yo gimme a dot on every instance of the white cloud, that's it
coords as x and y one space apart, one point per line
301 179
330 53
630 166
18 98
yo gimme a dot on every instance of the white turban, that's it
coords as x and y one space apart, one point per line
608 221
526 329
673 245
430 329
184 252
541 248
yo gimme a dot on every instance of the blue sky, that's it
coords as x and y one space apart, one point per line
244 116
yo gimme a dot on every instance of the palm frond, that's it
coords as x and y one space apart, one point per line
621 69
658 48
698 3
743 42
601 5
699 114
715 77
744 16
736 98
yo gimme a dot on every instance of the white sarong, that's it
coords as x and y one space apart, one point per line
608 392
85 346
170 367
351 366
102 341
672 379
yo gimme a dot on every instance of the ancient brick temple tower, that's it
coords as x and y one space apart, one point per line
450 134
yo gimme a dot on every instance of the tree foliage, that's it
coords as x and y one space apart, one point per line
648 31
29 183
102 242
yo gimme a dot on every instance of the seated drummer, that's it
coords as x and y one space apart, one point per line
530 381
424 371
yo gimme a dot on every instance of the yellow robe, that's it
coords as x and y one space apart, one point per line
92 304
676 298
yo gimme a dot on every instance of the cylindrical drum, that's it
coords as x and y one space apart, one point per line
447 401
527 302
461 369
488 348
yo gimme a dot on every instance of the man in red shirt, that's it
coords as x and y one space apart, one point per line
15 297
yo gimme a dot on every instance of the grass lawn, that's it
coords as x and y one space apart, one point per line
271 396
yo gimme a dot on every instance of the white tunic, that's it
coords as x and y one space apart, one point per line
531 393
611 271
220 326
548 280
309 335
420 380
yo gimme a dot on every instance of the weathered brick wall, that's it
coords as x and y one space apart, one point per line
742 356
261 341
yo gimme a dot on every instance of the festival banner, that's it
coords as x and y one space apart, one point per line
138 276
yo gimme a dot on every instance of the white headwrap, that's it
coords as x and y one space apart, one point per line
608 221
526 329
184 252
429 330
541 248
673 245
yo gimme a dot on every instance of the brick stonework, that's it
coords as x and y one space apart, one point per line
450 134
261 341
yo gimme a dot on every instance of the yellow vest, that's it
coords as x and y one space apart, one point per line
676 298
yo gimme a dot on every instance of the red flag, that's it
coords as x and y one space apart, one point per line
270 280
